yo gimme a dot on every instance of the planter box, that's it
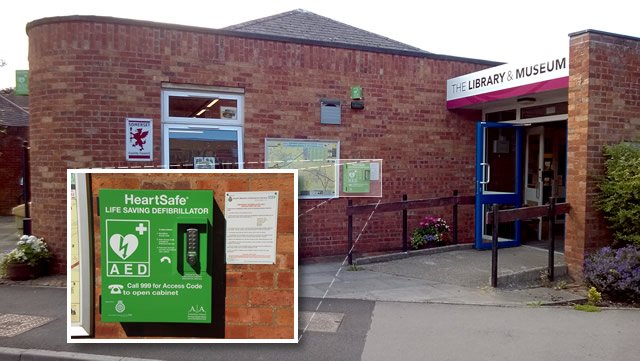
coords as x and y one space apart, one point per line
23 271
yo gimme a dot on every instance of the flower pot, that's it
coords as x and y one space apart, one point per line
24 271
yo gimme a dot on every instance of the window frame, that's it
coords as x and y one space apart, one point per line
201 123
239 121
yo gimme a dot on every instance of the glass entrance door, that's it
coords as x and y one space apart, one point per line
498 180
202 147
534 151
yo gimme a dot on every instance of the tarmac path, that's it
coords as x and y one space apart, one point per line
373 330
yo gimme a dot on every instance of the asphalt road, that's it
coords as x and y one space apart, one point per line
346 344
373 330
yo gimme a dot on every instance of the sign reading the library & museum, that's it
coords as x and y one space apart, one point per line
139 139
154 252
508 80
252 220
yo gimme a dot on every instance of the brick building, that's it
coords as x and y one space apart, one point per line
271 77
14 129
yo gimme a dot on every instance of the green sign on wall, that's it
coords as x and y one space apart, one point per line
22 82
154 252
356 178
356 92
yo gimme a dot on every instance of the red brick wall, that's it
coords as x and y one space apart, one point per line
87 77
604 108
259 298
11 171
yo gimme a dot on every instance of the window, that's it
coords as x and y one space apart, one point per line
501 116
202 130
544 110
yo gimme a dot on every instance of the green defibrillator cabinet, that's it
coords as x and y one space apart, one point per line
156 255
356 178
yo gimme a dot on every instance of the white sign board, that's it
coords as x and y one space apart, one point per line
507 76
139 139
252 220
204 162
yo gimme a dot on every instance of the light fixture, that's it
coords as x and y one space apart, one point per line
526 100
200 112
186 131
212 103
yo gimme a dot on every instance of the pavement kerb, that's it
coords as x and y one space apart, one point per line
530 277
419 252
18 354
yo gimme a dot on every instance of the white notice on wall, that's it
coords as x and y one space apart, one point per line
375 171
252 219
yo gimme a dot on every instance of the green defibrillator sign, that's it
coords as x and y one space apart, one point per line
155 255
22 82
356 178
356 92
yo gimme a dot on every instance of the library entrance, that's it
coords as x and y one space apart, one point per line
521 161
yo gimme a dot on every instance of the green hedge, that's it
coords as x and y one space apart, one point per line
619 197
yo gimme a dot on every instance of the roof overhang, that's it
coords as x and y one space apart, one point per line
507 81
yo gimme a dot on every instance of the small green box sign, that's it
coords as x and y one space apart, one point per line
356 92
22 82
356 178
155 253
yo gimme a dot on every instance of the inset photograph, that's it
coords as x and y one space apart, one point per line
193 256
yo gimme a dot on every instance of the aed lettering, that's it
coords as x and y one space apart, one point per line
161 200
129 269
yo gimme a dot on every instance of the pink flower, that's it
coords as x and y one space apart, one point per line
422 223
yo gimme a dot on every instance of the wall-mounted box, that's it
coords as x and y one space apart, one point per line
330 111
156 255
356 178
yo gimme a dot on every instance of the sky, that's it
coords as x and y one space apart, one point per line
508 31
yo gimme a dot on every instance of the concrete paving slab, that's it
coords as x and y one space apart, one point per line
320 321
12 324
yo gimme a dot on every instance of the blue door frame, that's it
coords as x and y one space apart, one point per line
483 197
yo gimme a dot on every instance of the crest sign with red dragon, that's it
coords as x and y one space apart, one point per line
139 133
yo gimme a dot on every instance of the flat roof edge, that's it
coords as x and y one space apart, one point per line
600 32
123 21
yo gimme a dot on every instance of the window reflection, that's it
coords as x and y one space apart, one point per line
203 148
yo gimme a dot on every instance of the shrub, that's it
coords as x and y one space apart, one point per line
30 250
619 197
431 230
615 272
594 296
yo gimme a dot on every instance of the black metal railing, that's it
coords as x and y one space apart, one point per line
404 206
497 216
